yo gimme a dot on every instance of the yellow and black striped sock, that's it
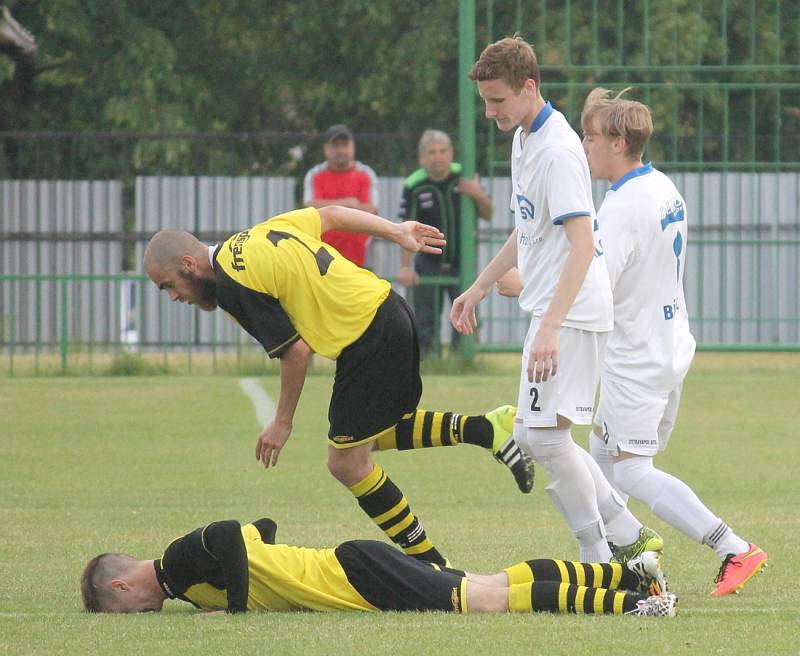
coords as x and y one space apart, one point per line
383 501
424 428
555 597
594 575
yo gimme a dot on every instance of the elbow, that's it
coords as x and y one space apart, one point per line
298 353
328 216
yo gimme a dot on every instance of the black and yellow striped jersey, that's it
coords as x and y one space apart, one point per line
281 282
225 566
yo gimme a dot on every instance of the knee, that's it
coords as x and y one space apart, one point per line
350 466
547 444
340 468
629 472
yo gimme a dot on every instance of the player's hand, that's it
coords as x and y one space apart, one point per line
462 314
543 358
408 277
271 441
510 284
415 236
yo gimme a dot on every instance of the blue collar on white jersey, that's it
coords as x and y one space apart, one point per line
542 116
634 173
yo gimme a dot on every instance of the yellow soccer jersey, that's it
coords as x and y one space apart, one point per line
204 568
281 282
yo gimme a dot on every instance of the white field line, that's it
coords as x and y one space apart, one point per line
262 403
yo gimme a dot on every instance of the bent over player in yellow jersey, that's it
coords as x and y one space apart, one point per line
298 296
233 568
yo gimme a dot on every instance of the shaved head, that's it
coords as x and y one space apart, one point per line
178 263
167 247
98 596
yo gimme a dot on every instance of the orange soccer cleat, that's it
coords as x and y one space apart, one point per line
736 570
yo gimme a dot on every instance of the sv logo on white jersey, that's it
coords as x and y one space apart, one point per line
525 207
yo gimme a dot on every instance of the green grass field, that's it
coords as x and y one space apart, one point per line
94 464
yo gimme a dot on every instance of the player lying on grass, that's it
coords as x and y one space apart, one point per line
228 567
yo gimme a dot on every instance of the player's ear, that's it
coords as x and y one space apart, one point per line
119 585
189 263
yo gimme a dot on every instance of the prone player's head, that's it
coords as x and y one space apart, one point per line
119 583
435 154
508 78
177 262
614 129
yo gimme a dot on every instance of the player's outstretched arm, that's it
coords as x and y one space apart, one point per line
411 235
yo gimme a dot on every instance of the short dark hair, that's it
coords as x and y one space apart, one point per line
96 593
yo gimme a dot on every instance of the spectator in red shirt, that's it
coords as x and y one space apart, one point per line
341 180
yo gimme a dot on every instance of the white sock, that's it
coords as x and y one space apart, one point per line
668 497
724 541
593 543
622 528
571 488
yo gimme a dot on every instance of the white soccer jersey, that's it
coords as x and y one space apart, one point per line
551 183
642 229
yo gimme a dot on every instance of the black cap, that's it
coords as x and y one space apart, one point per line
337 131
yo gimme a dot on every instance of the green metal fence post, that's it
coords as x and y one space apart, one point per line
64 323
466 129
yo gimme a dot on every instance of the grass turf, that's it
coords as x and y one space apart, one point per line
97 464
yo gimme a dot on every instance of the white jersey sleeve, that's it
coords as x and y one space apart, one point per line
565 188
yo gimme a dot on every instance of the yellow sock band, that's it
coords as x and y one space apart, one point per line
372 480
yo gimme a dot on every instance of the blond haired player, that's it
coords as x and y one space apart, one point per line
643 235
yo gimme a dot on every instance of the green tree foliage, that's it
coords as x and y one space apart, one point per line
721 77
277 73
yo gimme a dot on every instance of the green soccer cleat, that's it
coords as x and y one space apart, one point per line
647 567
648 540
506 450
656 606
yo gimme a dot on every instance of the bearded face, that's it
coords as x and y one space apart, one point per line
198 291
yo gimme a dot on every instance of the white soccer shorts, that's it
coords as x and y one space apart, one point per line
635 419
571 392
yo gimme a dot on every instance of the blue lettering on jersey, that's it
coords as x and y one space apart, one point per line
525 207
673 214
671 310
677 248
